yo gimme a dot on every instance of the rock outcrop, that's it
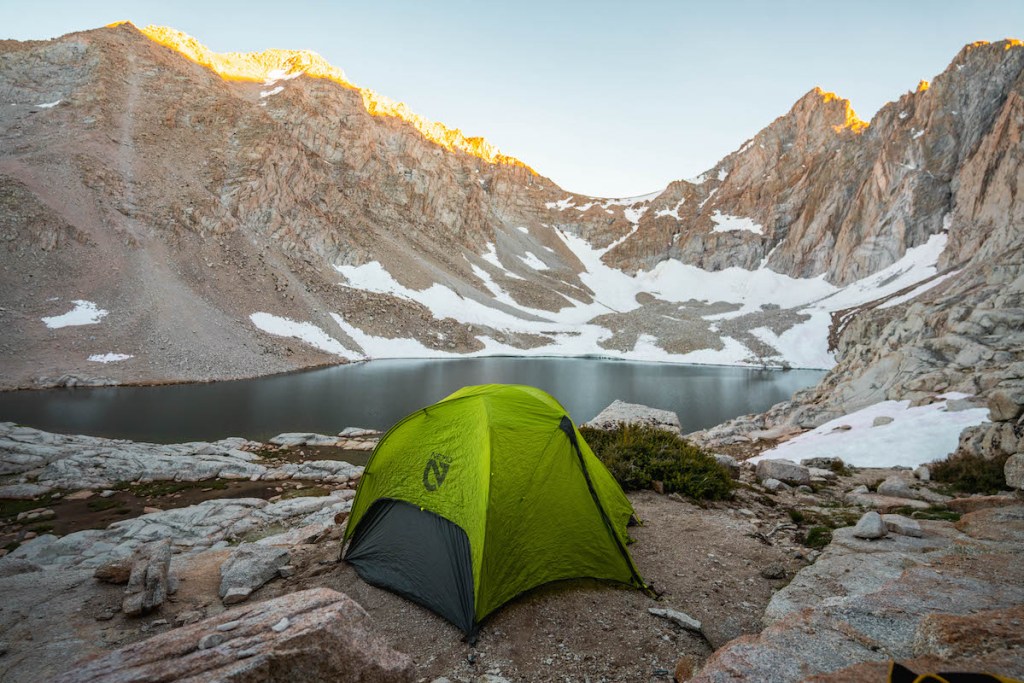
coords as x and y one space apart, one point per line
192 529
75 462
901 597
620 412
313 635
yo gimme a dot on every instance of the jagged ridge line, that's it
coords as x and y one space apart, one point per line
258 66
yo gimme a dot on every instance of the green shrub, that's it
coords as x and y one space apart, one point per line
796 516
971 473
639 455
817 537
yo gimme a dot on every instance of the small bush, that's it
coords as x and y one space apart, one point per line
817 537
971 473
796 516
639 455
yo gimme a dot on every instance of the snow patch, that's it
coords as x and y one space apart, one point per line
109 357
919 290
708 198
726 223
917 135
674 212
383 347
633 215
48 105
307 332
531 260
915 436
561 204
722 175
84 313
269 93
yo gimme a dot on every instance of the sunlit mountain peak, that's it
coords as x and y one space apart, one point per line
272 65
852 123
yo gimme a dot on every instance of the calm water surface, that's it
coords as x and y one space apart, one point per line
378 393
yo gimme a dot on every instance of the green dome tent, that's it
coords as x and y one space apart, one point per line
482 496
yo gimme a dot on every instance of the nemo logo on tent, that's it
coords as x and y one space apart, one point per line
435 471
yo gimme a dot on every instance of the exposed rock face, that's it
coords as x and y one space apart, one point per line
313 635
210 524
1014 471
895 598
74 461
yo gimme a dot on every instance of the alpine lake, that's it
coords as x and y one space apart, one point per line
378 393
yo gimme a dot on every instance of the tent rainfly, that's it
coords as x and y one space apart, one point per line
482 496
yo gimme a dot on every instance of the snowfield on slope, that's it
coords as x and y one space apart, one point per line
915 436
803 345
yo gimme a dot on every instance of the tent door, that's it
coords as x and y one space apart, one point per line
417 554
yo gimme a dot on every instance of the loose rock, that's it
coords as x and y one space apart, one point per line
635 413
248 568
1005 405
728 462
117 572
896 487
870 526
783 470
899 524
677 617
148 584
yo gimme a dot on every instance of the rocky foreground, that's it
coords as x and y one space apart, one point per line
247 584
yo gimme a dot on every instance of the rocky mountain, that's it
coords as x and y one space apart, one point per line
171 214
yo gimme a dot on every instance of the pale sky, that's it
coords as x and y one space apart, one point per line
605 98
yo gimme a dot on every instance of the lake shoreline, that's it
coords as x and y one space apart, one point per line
376 394
74 381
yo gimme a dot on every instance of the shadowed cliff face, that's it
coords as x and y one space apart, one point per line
185 199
